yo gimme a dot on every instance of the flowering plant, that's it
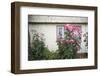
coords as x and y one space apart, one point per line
70 44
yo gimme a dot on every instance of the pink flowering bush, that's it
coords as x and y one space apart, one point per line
70 44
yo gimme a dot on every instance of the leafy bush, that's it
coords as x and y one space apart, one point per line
39 50
50 54
68 47
38 47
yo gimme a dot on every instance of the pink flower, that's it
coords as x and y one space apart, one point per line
70 41
65 27
72 27
75 29
68 27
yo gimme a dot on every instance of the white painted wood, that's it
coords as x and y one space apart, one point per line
51 18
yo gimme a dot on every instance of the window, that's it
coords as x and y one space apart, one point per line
60 32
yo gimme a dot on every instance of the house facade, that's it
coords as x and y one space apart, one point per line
52 28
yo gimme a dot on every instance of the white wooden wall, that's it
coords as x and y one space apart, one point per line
59 19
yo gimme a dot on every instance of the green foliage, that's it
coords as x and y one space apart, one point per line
39 50
67 47
66 51
50 54
38 47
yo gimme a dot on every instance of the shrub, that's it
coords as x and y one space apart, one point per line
68 47
38 47
39 50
